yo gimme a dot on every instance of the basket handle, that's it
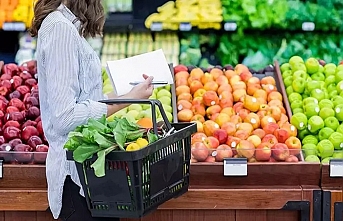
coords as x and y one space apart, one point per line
153 104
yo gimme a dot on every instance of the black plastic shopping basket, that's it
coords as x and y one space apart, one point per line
137 182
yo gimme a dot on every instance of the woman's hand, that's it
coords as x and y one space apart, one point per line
143 90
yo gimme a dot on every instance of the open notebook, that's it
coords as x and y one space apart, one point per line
126 71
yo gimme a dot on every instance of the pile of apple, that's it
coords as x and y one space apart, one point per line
237 114
315 94
135 112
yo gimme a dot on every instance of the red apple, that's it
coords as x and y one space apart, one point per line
211 142
292 158
200 152
198 137
221 135
280 151
294 145
281 135
270 128
223 151
269 138
263 152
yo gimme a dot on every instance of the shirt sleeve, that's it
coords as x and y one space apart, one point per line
62 74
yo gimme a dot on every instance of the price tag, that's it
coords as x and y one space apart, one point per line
336 168
235 167
185 26
14 26
308 26
230 26
156 26
1 169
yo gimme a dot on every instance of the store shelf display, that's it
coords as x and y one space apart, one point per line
314 90
22 138
184 15
239 113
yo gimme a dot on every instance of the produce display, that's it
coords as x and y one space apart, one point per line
238 115
257 50
102 137
16 11
315 93
141 113
22 138
203 14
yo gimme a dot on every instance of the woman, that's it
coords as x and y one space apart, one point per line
70 84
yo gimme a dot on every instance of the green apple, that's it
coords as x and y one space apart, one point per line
303 133
299 74
341 94
330 80
295 60
169 116
318 76
310 139
340 129
163 93
305 96
297 110
299 120
326 103
310 100
299 85
336 139
146 106
294 96
326 112
312 65
331 122
326 160
311 85
287 73
331 87
167 108
337 100
339 76
136 107
337 154
318 94
339 68
333 94
288 81
339 86
321 69
339 112
167 87
311 110
325 133
329 69
121 113
325 148
289 90
315 123
153 96
285 67
309 149
312 159
298 67
165 100
296 104
132 113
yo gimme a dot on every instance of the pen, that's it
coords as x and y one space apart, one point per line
153 83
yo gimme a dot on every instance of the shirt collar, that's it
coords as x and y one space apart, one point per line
70 16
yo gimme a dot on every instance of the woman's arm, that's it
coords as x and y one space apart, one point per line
62 68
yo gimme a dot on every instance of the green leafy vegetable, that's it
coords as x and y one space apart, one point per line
102 137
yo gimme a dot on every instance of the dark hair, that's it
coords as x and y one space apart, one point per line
89 12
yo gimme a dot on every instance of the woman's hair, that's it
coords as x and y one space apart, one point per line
89 12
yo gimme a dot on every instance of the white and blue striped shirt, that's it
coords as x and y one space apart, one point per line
70 84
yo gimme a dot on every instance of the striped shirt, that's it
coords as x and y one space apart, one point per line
70 84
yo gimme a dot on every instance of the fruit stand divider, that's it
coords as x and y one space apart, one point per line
23 191
332 195
332 187
270 191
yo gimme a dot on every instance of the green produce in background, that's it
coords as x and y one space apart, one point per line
321 123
